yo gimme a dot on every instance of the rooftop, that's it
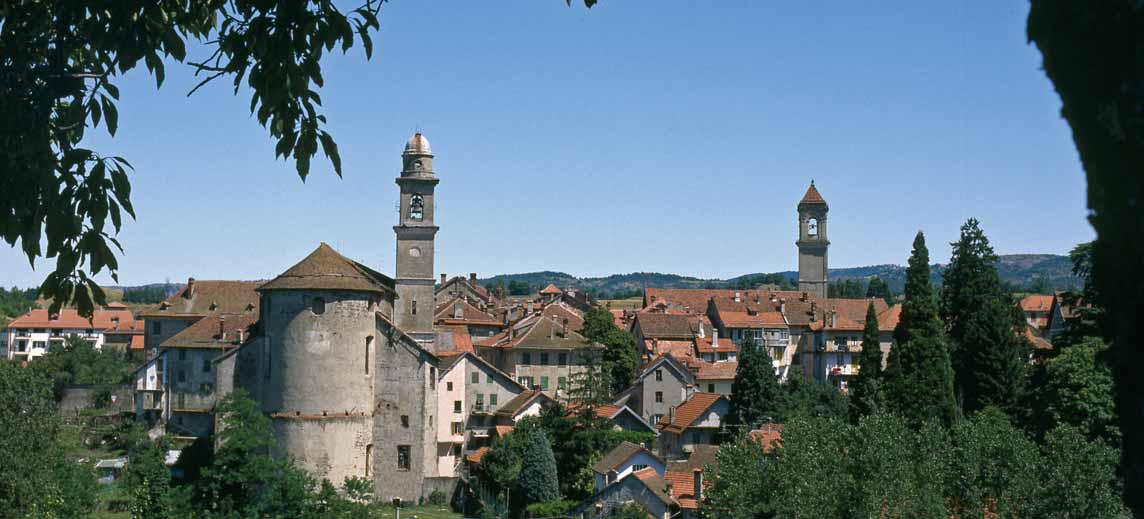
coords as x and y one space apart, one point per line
326 269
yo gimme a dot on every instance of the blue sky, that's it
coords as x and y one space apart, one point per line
672 136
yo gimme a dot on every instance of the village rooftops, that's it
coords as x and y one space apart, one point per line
69 319
521 402
200 298
326 269
551 289
617 456
654 325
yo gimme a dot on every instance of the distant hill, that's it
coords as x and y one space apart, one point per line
1016 270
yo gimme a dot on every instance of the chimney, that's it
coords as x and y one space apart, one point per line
738 299
190 288
833 318
782 306
552 331
701 332
530 307
241 336
714 336
458 311
668 489
473 278
444 278
698 490
221 327
813 309
803 298
757 300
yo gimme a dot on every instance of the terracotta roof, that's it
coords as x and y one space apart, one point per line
617 456
563 311
694 300
677 349
682 488
812 196
502 430
447 311
664 326
205 297
205 333
477 455
689 411
1039 343
452 340
1037 303
717 370
138 343
704 345
551 289
548 335
769 435
771 319
888 318
70 319
129 327
326 269
840 323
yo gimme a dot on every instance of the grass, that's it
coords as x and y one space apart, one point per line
422 512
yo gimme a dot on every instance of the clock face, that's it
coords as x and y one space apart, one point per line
415 252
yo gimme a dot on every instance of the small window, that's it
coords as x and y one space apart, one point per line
368 460
456 406
638 467
206 365
433 378
448 386
182 401
543 359
563 359
182 354
368 352
492 400
659 375
403 455
710 388
526 358
659 396
405 421
413 307
544 383
457 450
488 378
656 418
458 428
156 328
416 207
318 306
480 401
475 377
562 383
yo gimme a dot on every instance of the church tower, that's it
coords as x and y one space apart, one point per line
413 309
812 243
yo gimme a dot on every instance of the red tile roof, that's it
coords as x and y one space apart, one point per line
717 370
769 435
551 289
1037 303
812 196
70 319
561 311
447 313
477 455
1039 343
689 411
678 349
888 318
704 345
665 326
682 488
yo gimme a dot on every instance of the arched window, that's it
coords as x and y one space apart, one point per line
416 207
812 227
318 306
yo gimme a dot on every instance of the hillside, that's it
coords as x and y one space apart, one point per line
1016 270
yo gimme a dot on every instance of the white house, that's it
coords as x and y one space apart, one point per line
38 332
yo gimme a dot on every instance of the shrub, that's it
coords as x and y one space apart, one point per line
556 508
438 497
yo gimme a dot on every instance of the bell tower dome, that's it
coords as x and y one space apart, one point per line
812 243
413 309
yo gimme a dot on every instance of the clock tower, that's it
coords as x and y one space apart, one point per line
812 243
413 309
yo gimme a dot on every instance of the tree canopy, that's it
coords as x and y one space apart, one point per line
866 393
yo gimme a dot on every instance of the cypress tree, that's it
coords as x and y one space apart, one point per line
921 387
538 482
987 352
756 396
866 392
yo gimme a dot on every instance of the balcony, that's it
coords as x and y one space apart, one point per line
842 370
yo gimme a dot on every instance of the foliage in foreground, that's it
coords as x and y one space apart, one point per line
886 467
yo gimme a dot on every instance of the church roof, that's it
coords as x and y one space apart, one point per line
326 269
812 196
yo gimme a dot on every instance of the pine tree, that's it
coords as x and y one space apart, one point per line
921 383
866 392
987 352
538 482
879 289
756 396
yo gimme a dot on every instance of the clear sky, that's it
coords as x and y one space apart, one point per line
672 136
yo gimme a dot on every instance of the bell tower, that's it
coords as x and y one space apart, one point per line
812 243
413 309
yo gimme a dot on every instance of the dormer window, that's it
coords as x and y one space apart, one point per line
416 207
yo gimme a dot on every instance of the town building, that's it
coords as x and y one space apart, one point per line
472 391
39 331
626 458
697 421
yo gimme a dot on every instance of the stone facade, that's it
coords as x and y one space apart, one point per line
812 243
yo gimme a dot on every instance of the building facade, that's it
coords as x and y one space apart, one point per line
812 243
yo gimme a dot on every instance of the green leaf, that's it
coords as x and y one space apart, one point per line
112 89
330 148
112 115
96 113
